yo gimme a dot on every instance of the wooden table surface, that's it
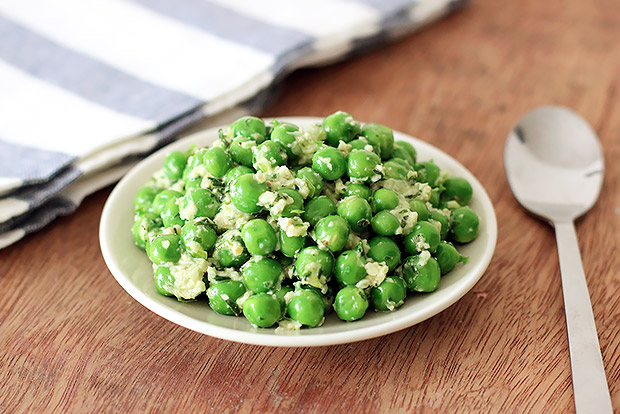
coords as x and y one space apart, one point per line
72 340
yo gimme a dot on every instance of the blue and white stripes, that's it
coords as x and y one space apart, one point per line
89 87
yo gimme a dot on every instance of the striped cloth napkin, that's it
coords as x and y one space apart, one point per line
87 88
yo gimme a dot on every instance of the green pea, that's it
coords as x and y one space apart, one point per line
244 193
144 198
331 232
174 165
312 261
443 220
241 151
384 199
428 172
193 183
327 297
409 148
359 143
164 281
424 236
385 223
296 207
383 249
458 189
170 214
193 161
340 126
261 274
199 202
403 155
279 294
329 163
362 164
444 203
249 127
350 303
306 307
223 296
381 138
350 268
465 225
161 200
318 208
144 223
405 151
284 135
267 156
312 179
198 239
396 170
290 246
421 273
151 236
402 163
259 237
389 295
419 207
165 248
356 211
235 172
447 256
262 310
435 197
230 250
217 161
360 190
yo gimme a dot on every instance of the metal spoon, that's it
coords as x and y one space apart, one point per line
554 165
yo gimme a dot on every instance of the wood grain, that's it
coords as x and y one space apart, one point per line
71 340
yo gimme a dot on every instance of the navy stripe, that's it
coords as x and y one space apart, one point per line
257 103
456 4
167 132
36 195
387 7
30 164
42 216
230 25
397 20
39 218
87 77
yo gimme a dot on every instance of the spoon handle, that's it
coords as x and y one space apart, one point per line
589 382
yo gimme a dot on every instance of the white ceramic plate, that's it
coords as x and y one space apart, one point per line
132 269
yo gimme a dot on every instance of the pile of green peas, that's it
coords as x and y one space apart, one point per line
283 224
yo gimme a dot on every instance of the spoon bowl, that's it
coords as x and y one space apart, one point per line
554 163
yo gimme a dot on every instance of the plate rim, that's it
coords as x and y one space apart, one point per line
292 340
